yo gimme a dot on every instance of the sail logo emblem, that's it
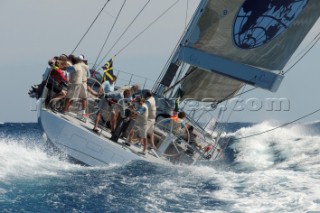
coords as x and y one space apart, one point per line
258 22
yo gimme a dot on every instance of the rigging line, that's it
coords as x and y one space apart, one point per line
231 94
227 97
167 64
225 106
185 22
202 113
139 76
303 55
147 27
109 14
306 47
316 39
234 106
174 51
124 32
105 42
228 118
90 26
278 127
177 82
182 68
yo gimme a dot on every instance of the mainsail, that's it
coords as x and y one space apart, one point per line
232 42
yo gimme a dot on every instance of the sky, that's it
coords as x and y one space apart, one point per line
34 31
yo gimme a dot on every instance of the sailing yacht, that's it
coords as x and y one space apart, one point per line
226 45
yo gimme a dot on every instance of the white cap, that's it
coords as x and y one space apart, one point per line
81 57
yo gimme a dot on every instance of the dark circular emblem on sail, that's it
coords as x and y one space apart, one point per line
259 21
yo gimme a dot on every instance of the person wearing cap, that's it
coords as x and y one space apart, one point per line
81 57
152 110
85 75
84 64
77 88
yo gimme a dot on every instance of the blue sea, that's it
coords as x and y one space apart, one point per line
274 172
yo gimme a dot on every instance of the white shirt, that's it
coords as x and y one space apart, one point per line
107 87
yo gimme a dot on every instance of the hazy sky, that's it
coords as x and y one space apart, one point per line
33 31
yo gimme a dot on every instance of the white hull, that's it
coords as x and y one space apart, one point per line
76 139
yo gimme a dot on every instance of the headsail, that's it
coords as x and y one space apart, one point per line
209 87
241 41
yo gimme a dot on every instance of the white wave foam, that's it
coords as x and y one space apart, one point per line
269 190
280 171
285 144
17 160
21 158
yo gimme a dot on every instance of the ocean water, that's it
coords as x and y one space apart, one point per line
275 172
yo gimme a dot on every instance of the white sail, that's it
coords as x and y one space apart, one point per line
242 41
261 33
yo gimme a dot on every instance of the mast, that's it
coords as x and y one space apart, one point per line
175 62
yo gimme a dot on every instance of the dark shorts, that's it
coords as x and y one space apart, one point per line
54 87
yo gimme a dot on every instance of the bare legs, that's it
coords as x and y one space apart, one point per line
96 122
151 135
84 105
144 142
67 105
59 96
113 121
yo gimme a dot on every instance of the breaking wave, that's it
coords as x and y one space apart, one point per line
274 172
